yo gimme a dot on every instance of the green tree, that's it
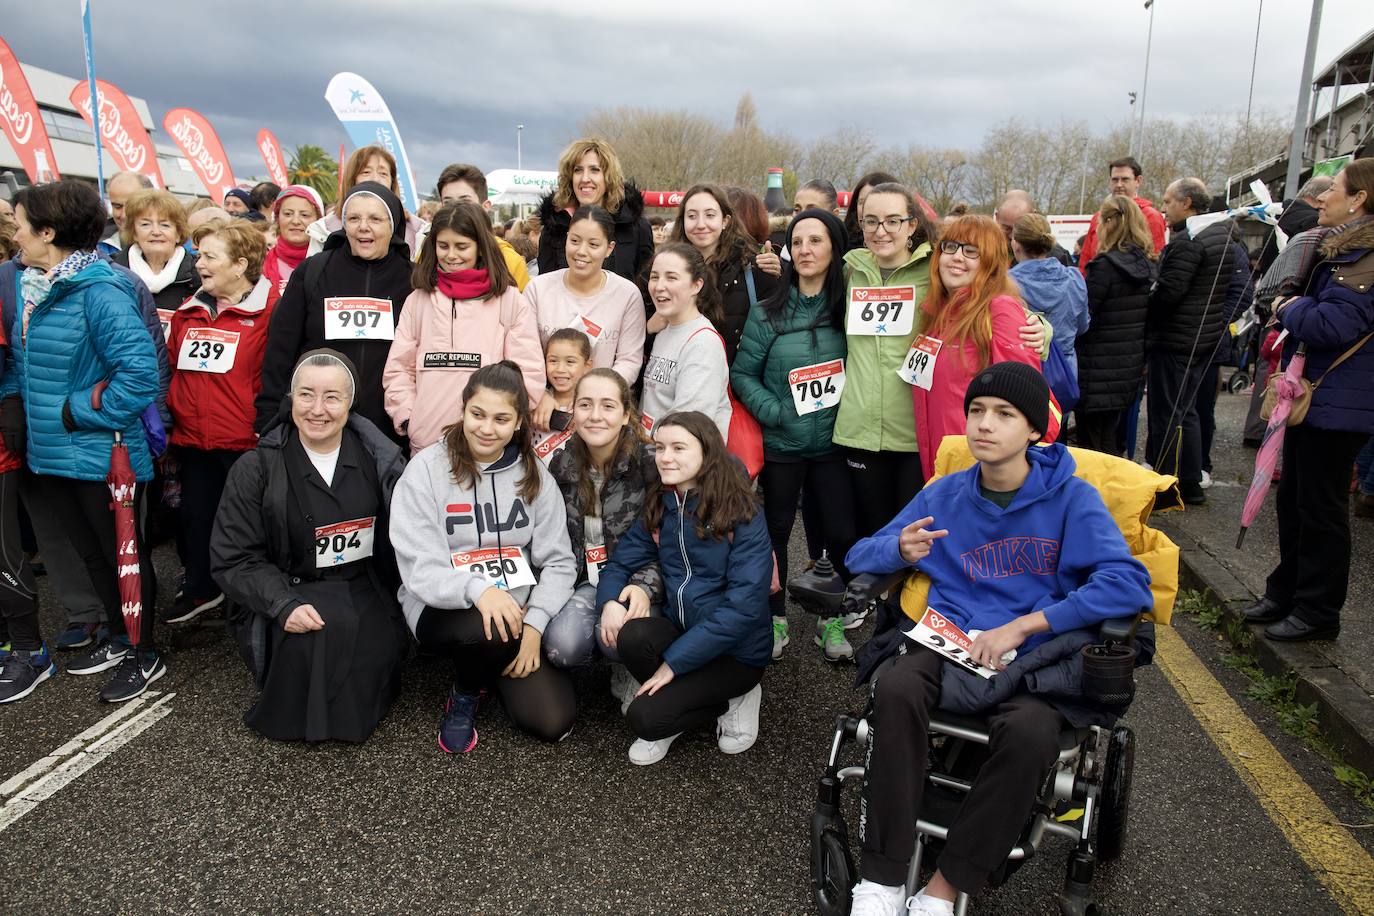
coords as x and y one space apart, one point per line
313 167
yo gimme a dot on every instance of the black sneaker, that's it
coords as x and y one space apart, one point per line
185 609
102 658
132 677
22 672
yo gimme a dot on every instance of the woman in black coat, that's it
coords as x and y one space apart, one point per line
1111 353
300 544
347 297
589 173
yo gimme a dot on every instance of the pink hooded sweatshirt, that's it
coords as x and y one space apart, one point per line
440 342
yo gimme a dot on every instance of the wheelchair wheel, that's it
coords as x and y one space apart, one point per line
1238 382
832 874
1114 802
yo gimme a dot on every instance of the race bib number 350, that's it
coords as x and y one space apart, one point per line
505 568
881 311
208 350
358 318
816 387
937 633
344 542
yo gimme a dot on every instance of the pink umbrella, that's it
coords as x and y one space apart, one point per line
1287 387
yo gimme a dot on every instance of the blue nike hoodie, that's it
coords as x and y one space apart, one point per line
1055 549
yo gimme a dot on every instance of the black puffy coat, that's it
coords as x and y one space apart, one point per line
1188 304
734 294
1111 353
634 239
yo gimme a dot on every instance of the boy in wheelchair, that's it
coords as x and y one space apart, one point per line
1024 552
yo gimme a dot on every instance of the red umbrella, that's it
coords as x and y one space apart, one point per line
122 483
1287 387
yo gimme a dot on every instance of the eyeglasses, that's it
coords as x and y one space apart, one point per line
949 246
891 224
307 399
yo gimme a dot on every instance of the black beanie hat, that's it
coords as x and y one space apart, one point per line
1018 384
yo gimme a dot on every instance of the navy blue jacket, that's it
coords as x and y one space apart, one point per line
717 590
1336 311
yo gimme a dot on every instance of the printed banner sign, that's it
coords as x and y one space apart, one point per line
22 123
198 140
121 129
271 154
364 115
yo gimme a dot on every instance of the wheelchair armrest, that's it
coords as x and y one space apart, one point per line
1119 630
867 586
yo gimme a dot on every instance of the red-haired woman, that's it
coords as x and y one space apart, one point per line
970 319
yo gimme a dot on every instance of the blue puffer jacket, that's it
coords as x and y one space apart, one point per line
717 589
1058 293
86 331
1336 311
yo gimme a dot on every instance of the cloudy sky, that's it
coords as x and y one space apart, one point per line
459 76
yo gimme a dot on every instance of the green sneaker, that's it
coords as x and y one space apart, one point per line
830 637
5 647
780 638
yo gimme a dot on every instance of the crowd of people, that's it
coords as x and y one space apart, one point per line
522 447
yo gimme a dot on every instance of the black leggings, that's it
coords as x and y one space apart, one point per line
1024 743
203 473
883 482
826 484
83 508
542 703
690 699
18 593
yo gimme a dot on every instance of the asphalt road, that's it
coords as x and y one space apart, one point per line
199 814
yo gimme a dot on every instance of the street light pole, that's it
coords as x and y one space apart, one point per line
1299 140
519 158
1145 83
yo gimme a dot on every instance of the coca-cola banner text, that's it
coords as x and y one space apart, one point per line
121 131
22 123
271 154
201 145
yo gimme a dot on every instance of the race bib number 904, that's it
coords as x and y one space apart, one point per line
505 568
358 318
881 311
937 633
344 542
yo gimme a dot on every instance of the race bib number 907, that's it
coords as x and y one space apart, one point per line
358 318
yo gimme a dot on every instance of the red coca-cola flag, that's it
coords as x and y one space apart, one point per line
271 154
201 145
22 123
121 130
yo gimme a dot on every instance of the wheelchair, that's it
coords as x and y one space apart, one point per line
1092 774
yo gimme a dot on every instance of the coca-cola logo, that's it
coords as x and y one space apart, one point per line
21 122
192 141
133 152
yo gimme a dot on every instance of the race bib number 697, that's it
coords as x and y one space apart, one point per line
881 311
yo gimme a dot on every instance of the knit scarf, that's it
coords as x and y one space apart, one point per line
464 284
35 283
282 259
157 280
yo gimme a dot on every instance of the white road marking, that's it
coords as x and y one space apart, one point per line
43 779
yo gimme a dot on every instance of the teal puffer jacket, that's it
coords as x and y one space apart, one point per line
804 336
85 332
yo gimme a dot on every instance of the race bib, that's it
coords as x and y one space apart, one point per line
881 311
164 318
596 561
358 318
648 422
939 635
551 443
589 327
344 542
208 350
505 568
816 387
918 368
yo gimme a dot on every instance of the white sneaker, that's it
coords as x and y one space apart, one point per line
643 753
1206 481
924 905
738 728
623 686
873 899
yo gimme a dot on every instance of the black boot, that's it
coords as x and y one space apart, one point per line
1265 610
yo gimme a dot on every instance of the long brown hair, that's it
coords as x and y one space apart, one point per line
505 378
1121 225
632 439
564 196
708 299
734 242
470 221
963 314
725 498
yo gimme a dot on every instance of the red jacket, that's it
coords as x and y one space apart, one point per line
217 370
1153 218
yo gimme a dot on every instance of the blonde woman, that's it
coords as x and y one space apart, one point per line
589 173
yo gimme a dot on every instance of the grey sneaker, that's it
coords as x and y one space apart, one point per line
830 637
855 620
623 686
780 637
